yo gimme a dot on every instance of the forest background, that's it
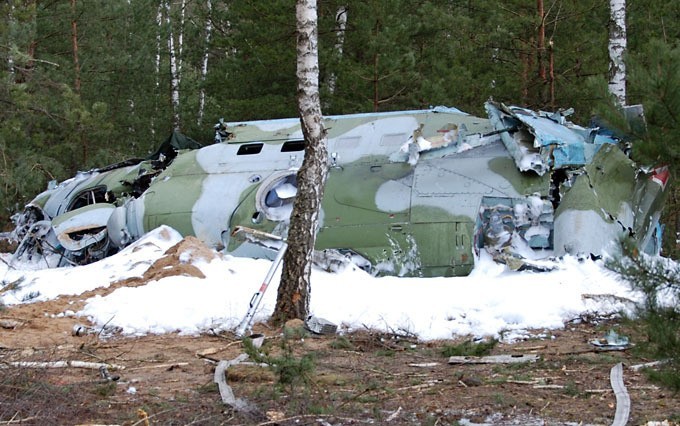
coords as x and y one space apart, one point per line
86 83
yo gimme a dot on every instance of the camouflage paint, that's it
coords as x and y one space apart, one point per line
414 192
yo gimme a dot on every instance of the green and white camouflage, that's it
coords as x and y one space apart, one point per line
409 193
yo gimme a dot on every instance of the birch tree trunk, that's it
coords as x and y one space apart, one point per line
204 65
617 49
340 27
174 70
159 31
294 290
11 23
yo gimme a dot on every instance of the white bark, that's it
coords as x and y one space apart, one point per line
309 104
174 71
617 50
204 66
180 41
340 27
293 295
10 58
159 27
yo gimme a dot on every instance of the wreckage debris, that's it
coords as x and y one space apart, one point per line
409 193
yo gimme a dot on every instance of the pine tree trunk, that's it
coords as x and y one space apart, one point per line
84 143
617 49
294 290
74 42
540 48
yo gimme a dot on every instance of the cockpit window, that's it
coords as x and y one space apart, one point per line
91 196
276 195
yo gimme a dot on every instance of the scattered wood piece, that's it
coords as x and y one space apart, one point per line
493 359
9 324
424 364
548 386
608 298
421 386
207 351
61 364
638 367
622 397
531 348
296 419
96 424
168 366
393 415
20 421
524 382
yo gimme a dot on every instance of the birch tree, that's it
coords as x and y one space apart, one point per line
175 67
204 64
294 290
341 26
617 49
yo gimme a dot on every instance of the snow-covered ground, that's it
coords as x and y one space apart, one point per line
491 301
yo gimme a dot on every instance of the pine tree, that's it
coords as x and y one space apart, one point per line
655 83
658 280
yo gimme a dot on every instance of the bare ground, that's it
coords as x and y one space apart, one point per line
363 377
359 378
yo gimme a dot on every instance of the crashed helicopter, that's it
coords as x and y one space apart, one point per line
412 193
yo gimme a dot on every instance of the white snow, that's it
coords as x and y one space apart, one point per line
492 301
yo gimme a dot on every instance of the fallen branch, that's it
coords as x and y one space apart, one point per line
147 367
20 421
531 348
638 367
549 386
393 415
61 364
316 416
493 359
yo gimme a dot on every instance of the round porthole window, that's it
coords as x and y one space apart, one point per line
275 196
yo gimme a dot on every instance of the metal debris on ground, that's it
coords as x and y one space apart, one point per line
320 325
612 341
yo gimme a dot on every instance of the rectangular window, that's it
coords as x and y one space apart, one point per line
250 149
293 146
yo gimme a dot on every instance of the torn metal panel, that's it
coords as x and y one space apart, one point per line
609 199
83 227
622 398
541 141
611 341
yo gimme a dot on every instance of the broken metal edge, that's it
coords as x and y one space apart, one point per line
622 397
